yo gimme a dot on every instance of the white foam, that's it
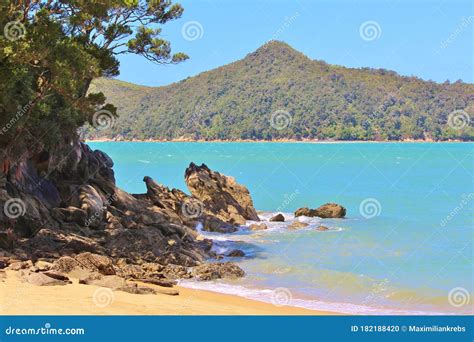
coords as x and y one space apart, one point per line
265 295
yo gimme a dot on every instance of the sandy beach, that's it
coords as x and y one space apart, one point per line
18 298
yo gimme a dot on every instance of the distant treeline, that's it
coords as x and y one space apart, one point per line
278 93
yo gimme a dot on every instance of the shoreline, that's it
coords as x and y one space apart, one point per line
276 141
19 298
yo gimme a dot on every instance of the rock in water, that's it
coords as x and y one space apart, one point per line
331 210
258 226
278 218
221 195
328 210
297 225
304 212
236 253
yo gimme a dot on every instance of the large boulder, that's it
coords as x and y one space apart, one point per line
100 264
220 194
328 210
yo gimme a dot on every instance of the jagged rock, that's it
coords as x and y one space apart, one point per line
93 205
297 225
87 261
322 228
328 210
236 253
220 194
278 218
71 214
214 271
64 211
95 262
258 226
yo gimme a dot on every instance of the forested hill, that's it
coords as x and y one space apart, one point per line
277 92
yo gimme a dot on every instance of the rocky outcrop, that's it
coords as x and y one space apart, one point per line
328 210
67 210
181 208
221 195
69 204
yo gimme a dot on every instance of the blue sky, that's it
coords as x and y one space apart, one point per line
429 39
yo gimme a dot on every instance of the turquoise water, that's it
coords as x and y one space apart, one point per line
417 247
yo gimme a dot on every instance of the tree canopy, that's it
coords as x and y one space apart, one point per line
51 50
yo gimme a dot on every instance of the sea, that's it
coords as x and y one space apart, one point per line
404 248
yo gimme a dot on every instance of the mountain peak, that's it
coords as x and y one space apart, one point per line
277 49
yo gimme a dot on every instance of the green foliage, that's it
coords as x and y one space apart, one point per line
324 101
52 50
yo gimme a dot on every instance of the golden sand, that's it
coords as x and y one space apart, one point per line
19 298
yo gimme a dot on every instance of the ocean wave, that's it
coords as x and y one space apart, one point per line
266 295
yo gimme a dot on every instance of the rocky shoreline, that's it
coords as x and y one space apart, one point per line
67 217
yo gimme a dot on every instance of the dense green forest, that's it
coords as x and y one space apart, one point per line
277 92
